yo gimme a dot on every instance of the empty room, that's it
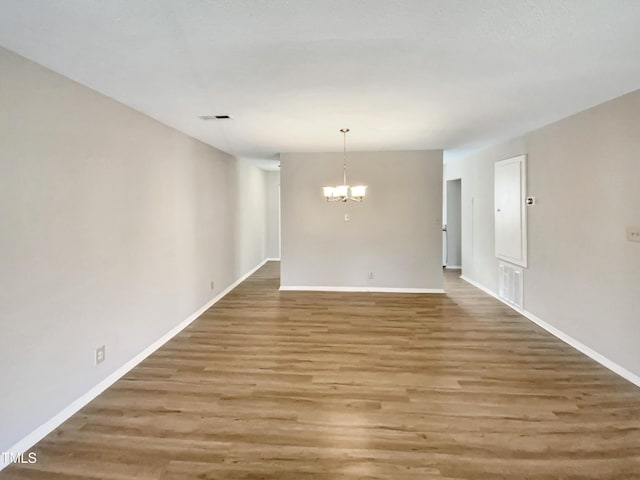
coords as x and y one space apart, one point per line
368 239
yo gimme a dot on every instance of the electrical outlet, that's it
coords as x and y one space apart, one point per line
370 275
213 284
633 234
100 354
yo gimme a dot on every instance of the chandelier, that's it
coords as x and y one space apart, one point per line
344 192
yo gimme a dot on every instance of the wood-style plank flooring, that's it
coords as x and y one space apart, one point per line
314 385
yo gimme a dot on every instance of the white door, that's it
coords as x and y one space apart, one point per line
454 224
510 211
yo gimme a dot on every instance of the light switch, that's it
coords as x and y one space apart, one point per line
346 217
633 234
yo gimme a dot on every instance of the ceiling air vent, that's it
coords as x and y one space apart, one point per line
215 117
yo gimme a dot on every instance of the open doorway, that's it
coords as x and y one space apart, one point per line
453 226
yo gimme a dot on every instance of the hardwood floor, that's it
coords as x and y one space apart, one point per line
315 385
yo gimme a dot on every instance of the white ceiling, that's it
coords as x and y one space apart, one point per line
412 74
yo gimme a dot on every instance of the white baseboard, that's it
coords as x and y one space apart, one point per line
483 288
43 430
273 259
453 267
568 339
306 288
601 359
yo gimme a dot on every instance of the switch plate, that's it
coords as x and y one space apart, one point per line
346 217
100 354
633 234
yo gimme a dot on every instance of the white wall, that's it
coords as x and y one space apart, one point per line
273 214
583 276
395 233
112 228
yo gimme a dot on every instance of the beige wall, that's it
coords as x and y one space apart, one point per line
113 226
583 276
395 233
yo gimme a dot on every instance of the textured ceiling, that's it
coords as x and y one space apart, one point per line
413 74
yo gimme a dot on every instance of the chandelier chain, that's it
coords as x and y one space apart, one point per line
344 155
